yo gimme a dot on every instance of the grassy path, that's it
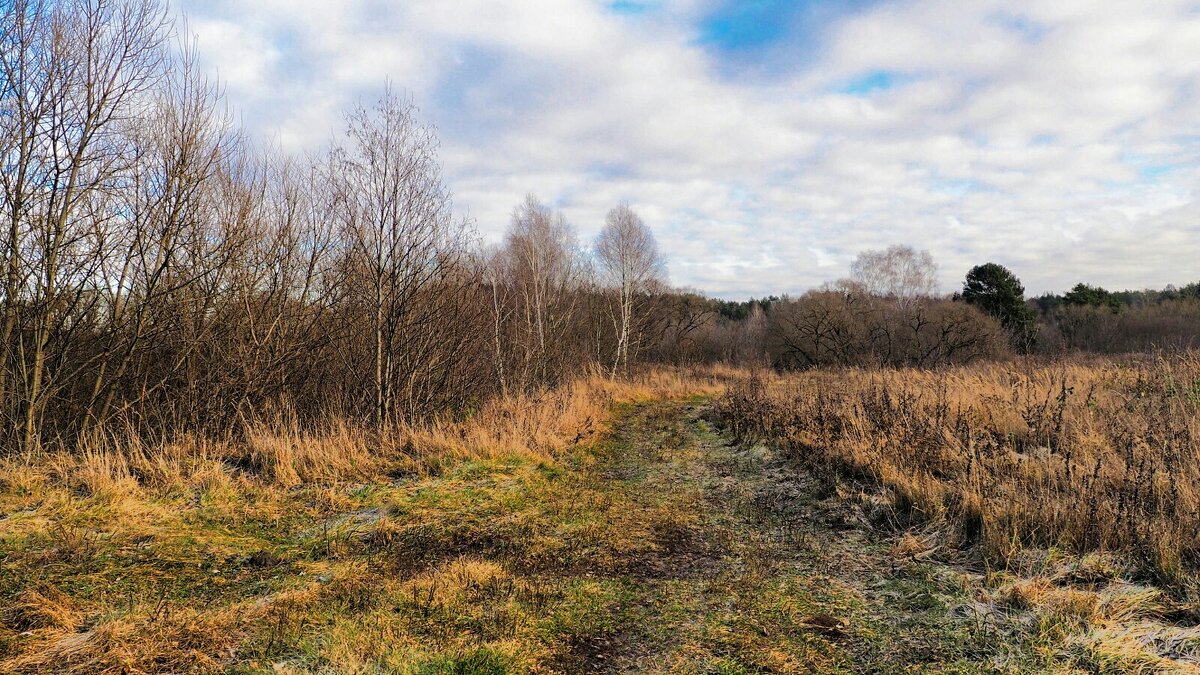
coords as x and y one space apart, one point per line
757 573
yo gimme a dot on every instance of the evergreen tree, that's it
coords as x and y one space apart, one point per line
1092 296
997 291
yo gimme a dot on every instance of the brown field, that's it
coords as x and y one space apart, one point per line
1010 517
1083 454
202 555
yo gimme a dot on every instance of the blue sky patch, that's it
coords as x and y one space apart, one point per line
958 187
749 25
1029 30
1152 172
631 7
873 81
610 170
1149 170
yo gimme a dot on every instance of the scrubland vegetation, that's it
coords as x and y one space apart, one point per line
267 412
1090 461
167 279
334 549
1088 454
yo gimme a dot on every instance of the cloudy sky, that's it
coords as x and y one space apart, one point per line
768 142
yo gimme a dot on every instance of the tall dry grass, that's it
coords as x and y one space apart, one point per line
278 452
1087 454
123 556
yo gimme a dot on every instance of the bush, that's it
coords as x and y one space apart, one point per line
836 328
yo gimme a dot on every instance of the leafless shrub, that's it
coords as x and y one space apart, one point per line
838 328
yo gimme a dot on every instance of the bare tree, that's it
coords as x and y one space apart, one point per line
687 314
165 239
629 258
544 265
495 266
899 272
75 76
406 244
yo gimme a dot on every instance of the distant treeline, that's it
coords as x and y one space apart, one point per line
1095 296
1090 318
887 313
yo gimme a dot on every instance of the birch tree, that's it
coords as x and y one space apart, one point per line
545 268
629 259
898 272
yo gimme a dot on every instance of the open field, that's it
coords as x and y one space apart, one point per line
612 528
1075 471
1085 455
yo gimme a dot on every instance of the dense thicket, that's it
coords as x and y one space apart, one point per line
161 274
1119 328
844 328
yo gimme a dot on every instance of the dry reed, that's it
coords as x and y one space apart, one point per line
1083 454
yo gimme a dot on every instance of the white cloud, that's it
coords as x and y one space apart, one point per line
1060 138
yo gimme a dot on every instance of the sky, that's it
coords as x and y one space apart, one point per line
767 143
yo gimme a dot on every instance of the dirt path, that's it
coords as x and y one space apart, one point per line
758 573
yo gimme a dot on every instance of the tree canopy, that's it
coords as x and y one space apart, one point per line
1092 296
997 291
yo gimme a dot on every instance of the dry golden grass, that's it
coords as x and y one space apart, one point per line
1083 455
182 641
43 608
1079 480
485 544
283 454
131 557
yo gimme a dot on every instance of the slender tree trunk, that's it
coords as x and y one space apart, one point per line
380 399
496 337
